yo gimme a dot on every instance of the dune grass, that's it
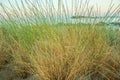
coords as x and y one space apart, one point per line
50 51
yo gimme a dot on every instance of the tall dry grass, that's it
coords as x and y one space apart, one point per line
62 50
67 53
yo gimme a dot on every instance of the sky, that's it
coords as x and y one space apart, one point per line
102 4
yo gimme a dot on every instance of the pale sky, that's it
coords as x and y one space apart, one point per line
103 4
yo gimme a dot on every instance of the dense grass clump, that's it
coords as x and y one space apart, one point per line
62 53
49 46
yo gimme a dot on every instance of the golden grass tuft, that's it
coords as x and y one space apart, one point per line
69 53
